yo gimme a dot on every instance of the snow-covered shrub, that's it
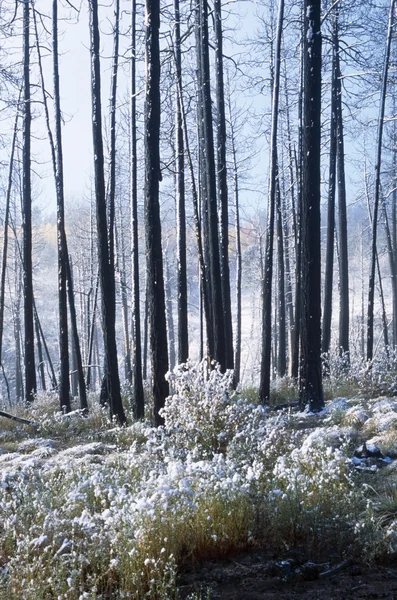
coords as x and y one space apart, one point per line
203 415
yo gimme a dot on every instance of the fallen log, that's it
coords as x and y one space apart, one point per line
18 419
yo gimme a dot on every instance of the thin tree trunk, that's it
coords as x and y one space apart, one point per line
137 383
342 212
281 321
237 343
154 257
53 378
30 371
222 187
75 334
371 282
64 383
329 260
210 198
183 340
105 252
265 374
170 318
40 355
5 240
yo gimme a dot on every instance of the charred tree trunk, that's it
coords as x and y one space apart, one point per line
311 390
210 213
5 239
113 395
342 213
265 375
183 341
371 282
222 187
154 257
282 347
329 260
30 371
64 383
137 383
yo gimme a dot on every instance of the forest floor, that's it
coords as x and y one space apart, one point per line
286 504
255 576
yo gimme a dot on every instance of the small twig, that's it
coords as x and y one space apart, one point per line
335 570
18 419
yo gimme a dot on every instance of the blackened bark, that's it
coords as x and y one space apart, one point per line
237 343
113 394
296 334
203 288
183 340
329 259
30 371
120 262
371 283
210 198
64 383
342 211
54 382
265 375
5 239
170 316
281 321
311 390
75 334
137 382
222 186
154 257
40 355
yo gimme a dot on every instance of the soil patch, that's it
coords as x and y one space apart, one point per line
255 576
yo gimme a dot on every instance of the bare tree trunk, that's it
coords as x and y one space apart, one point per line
281 320
311 390
265 374
137 383
222 187
154 257
342 212
169 312
371 282
105 252
6 226
210 197
237 343
30 371
64 383
183 340
329 260
40 354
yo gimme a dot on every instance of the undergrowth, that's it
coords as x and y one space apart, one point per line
92 510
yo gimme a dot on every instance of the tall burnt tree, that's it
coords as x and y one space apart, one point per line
30 371
208 174
222 186
154 257
342 211
183 340
311 390
64 382
371 283
265 375
330 248
111 387
137 382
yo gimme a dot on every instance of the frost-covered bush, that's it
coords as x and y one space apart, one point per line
203 414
